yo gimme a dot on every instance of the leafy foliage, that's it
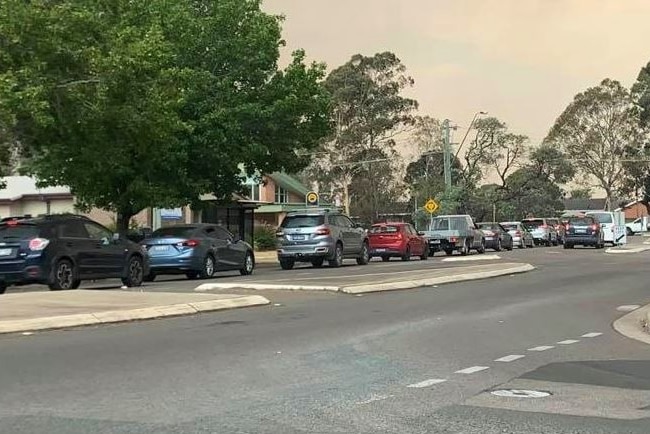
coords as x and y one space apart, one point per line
264 237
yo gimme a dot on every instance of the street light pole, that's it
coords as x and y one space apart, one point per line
471 124
447 154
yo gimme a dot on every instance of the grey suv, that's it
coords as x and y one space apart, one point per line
318 235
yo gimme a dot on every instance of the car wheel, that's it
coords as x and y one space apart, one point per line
208 268
407 254
481 249
385 258
498 246
63 276
568 245
287 264
364 257
629 232
425 255
317 263
449 252
337 260
249 265
555 242
150 277
522 245
465 249
134 272
3 287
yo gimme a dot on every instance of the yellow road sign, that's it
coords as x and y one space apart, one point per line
311 198
431 206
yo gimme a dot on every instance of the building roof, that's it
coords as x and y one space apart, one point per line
289 182
584 204
18 187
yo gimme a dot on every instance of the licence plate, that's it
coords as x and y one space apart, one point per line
581 231
160 248
434 241
297 237
380 250
5 252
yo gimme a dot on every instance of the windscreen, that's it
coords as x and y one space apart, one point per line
532 224
602 217
510 226
489 226
384 230
581 221
303 221
18 232
174 232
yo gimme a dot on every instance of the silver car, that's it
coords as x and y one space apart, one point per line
520 235
542 229
319 235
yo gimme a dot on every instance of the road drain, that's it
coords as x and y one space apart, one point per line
519 393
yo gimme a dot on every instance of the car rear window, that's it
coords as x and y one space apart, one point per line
602 217
174 232
490 226
18 232
581 221
303 221
449 223
532 224
384 229
509 226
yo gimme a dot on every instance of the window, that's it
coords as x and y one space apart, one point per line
98 233
174 232
218 233
281 195
73 229
255 193
303 221
344 222
384 229
602 217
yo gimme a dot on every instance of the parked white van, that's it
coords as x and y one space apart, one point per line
607 223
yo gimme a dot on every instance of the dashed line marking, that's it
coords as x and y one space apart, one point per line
374 399
568 342
591 335
472 370
427 383
541 348
510 358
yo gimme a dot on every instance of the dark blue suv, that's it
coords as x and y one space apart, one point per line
62 250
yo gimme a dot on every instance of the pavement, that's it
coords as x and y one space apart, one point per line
420 361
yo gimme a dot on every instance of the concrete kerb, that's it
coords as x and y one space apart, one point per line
631 325
620 250
375 287
66 321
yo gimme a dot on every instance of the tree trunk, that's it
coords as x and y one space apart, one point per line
122 222
346 197
608 199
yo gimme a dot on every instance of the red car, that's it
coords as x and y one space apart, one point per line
396 239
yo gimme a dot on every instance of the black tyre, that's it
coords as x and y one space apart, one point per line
364 256
208 268
568 245
287 264
425 255
249 265
464 251
337 260
64 276
498 247
555 242
481 249
150 277
407 254
449 252
629 232
318 262
134 272
522 245
385 258
3 287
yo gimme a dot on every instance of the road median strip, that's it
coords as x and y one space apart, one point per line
98 307
623 250
442 276
635 325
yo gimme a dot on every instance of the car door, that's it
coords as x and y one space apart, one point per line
352 237
218 245
110 255
476 234
77 244
415 239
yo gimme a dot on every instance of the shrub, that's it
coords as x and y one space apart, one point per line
264 237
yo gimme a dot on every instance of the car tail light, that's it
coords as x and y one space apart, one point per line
544 226
453 239
517 233
190 243
594 227
322 231
12 223
38 244
568 226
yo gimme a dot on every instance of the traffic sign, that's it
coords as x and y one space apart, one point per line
311 198
431 206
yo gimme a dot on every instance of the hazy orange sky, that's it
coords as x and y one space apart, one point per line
520 60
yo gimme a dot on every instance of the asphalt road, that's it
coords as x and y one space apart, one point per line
417 361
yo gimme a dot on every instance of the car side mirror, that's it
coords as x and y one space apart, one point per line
235 239
116 237
421 233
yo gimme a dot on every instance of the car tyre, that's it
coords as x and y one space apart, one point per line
498 246
449 252
134 272
407 254
337 260
465 249
385 258
568 245
318 262
3 287
249 264
425 255
522 245
364 257
208 268
287 264
481 249
629 232
64 276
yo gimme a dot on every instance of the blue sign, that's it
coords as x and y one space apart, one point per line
171 214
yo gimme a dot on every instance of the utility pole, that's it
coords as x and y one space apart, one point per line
447 153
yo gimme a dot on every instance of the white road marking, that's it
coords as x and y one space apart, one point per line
277 304
472 258
591 335
568 342
541 348
374 399
510 358
472 370
27 333
628 307
426 383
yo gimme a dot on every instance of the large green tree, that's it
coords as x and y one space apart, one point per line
368 113
599 131
138 103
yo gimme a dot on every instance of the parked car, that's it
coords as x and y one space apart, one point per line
607 223
584 230
543 232
636 226
496 236
319 235
396 240
62 250
559 228
521 237
197 250
451 233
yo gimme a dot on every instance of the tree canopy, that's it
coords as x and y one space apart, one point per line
138 103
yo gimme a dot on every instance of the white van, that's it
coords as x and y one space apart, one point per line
607 223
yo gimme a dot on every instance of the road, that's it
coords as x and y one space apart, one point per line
417 361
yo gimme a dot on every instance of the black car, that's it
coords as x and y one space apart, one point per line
496 236
62 250
585 231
